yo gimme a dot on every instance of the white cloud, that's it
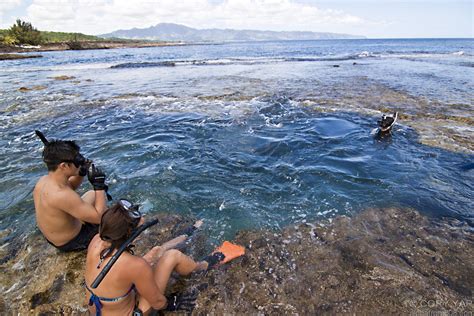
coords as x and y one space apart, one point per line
102 16
7 5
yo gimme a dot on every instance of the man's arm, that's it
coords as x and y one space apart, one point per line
71 203
75 182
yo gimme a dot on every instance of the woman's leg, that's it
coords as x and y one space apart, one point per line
174 260
157 252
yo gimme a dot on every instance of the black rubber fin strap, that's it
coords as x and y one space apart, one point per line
214 259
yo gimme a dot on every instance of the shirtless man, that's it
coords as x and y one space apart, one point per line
67 221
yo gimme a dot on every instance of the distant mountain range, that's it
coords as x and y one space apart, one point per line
177 32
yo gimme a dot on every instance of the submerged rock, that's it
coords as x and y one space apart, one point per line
381 260
35 88
64 77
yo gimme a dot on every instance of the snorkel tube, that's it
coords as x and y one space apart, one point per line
120 250
42 137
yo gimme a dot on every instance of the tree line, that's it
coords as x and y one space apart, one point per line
23 33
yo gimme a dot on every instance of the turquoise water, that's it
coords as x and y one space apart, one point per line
233 133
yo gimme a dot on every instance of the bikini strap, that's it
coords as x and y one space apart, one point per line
96 300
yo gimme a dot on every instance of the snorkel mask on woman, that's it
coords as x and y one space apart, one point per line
132 210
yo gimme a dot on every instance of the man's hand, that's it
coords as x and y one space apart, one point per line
96 178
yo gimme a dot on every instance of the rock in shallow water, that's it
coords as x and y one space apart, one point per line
357 267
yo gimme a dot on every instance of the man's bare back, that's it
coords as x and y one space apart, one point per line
65 219
57 226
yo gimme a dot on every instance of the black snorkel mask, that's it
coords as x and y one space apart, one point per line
78 161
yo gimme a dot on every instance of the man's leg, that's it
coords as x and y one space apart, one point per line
89 197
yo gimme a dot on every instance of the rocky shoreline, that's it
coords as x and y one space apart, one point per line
17 56
390 261
85 45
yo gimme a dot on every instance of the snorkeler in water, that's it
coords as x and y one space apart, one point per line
67 220
386 124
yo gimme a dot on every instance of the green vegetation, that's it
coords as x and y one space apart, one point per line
61 37
23 33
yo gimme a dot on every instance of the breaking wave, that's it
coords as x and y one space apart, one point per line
268 60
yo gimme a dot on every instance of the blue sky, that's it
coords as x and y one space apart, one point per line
374 19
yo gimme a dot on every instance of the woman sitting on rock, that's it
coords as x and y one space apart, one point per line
134 284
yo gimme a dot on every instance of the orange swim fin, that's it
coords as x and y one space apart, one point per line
230 251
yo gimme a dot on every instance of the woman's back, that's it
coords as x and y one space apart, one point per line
116 289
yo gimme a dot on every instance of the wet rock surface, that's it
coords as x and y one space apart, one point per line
17 56
382 260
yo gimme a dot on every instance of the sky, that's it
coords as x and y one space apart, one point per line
370 18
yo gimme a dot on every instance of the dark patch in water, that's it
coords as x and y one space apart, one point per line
466 64
468 166
145 64
334 127
50 295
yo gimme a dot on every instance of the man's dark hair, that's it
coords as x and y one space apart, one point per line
58 151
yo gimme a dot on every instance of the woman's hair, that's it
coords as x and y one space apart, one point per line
116 225
57 151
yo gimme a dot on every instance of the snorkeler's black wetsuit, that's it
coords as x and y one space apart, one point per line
82 240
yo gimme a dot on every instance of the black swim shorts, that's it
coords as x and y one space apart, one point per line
82 240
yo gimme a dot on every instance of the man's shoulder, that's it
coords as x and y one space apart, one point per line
54 194
41 181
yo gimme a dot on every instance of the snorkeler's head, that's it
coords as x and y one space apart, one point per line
58 151
118 222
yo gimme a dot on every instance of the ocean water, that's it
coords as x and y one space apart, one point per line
244 135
